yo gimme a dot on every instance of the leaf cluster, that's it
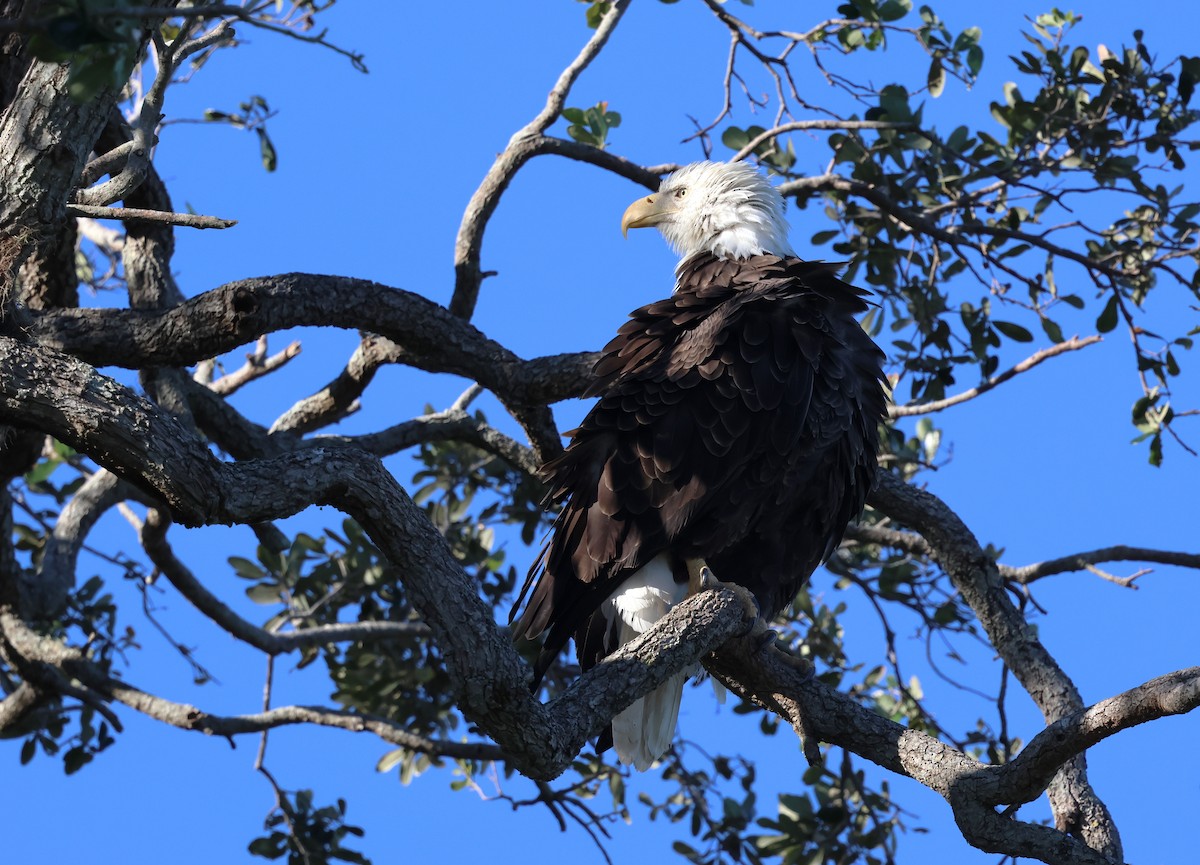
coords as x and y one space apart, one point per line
591 125
308 835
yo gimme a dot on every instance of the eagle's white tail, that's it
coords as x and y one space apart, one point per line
643 732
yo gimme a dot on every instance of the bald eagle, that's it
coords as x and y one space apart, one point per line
735 429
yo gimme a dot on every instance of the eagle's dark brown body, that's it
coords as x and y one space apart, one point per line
736 424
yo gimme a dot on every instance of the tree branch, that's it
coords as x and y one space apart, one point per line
257 364
1077 808
137 214
339 398
804 125
219 320
468 276
1072 344
137 440
154 541
487 678
1027 574
234 314
1031 771
16 705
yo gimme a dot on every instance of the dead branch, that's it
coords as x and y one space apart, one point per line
258 363
135 214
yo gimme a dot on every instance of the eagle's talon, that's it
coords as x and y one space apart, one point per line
708 581
765 638
803 666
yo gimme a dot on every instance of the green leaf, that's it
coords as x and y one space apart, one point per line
1013 331
271 847
946 613
270 158
974 59
1108 317
1156 451
390 760
246 569
75 759
936 80
894 10
1142 405
42 471
264 593
1052 330
735 138
1189 75
596 13
893 99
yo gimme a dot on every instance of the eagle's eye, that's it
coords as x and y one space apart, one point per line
681 192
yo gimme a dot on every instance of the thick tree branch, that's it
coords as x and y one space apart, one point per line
972 789
18 704
234 314
488 680
1032 770
1077 808
44 592
45 137
219 320
135 439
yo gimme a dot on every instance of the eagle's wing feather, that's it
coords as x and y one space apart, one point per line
704 406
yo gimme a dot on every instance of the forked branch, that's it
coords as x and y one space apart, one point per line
468 276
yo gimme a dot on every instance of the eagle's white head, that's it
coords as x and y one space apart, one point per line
726 208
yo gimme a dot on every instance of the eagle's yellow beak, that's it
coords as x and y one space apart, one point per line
645 212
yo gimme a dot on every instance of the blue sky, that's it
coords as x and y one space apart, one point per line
373 174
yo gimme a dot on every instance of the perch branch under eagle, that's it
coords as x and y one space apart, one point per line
735 429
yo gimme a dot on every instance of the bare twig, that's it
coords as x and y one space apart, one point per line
241 13
134 214
1027 574
800 125
1072 344
257 364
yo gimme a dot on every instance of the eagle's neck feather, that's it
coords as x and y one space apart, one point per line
736 232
